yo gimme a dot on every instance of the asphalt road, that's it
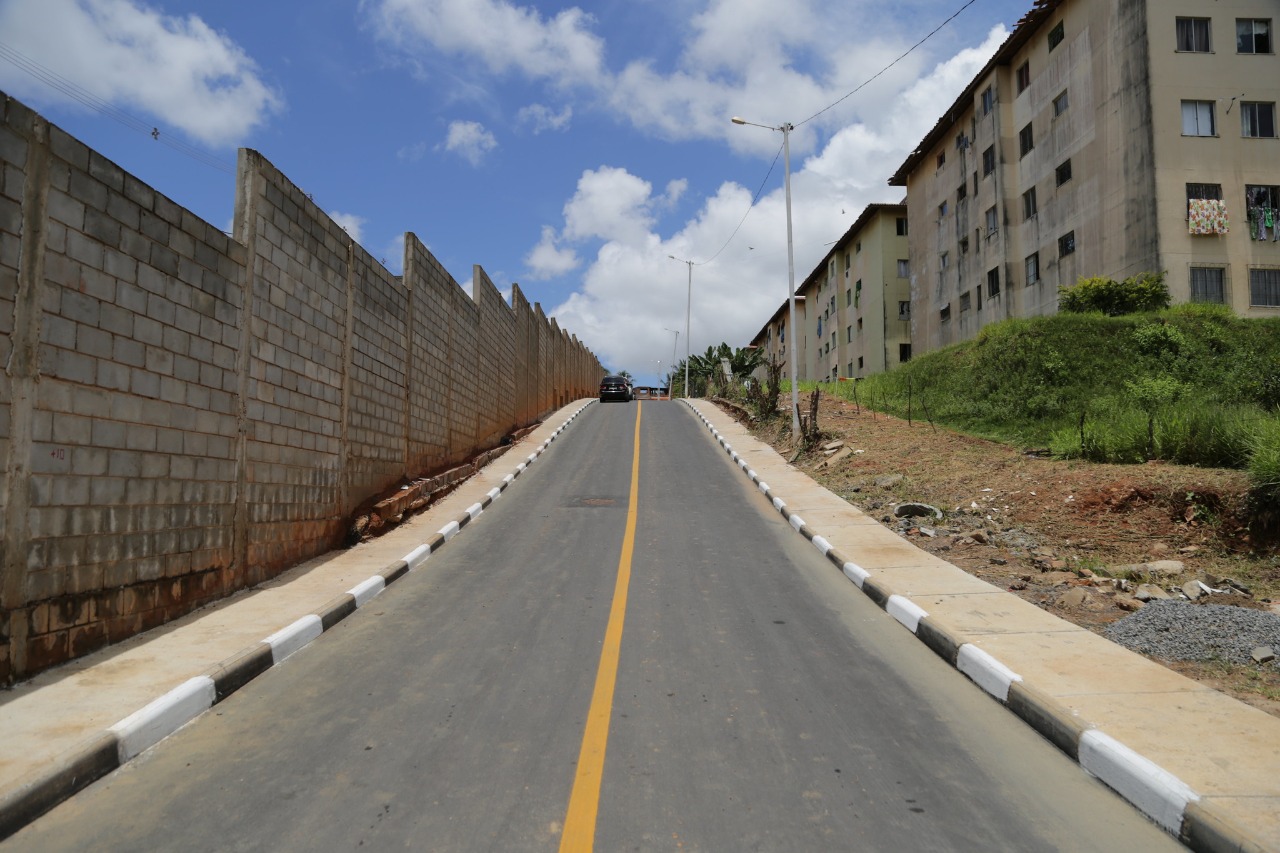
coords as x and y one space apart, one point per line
647 663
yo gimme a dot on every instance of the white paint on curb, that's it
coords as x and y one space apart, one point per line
509 479
985 671
417 556
364 591
1155 791
905 611
778 504
450 530
823 546
494 493
288 640
474 510
161 718
764 487
795 521
855 573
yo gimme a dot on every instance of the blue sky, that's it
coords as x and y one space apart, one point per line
568 148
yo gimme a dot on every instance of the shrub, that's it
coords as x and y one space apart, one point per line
1136 294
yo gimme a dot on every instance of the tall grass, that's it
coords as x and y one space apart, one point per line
1192 384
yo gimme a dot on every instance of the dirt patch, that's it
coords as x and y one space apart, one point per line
1075 538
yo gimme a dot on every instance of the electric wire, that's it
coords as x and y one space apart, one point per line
87 99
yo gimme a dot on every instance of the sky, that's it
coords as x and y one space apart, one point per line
572 149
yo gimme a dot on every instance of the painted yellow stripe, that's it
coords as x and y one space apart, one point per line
584 801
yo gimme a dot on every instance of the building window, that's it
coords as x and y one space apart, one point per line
857 248
1063 172
1193 35
962 191
1056 35
1253 35
993 220
1257 119
942 158
1261 196
988 100
1066 244
988 161
962 142
859 324
1024 77
848 334
1029 204
1208 284
904 309
1032 264
1264 287
1026 141
942 210
945 314
901 225
965 302
904 268
857 292
1060 104
848 296
942 260
993 282
1213 191
1197 118
963 245
904 352
859 362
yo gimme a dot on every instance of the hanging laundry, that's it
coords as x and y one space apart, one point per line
1207 216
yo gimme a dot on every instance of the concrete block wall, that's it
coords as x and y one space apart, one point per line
185 414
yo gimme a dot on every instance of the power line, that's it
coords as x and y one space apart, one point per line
86 98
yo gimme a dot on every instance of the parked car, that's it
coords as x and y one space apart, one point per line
615 388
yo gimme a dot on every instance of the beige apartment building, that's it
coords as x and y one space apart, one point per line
1104 138
856 314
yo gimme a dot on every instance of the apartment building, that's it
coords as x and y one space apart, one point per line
1104 138
857 302
772 338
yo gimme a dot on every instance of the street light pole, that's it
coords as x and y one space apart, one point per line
688 312
674 343
786 129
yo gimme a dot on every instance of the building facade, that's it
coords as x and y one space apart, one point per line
1104 138
856 316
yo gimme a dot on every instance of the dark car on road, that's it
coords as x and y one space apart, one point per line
615 388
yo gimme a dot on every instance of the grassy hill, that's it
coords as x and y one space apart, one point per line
1192 384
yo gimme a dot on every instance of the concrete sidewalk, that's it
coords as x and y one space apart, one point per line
1202 765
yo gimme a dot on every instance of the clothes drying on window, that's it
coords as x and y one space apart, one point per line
1207 216
1264 223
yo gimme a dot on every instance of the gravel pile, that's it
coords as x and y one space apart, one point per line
1179 630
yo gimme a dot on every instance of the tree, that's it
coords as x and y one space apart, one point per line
1143 292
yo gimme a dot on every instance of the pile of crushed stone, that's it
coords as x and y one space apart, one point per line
1180 630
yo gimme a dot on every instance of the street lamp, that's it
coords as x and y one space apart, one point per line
688 311
674 343
791 267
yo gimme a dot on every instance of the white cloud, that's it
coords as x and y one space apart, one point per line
501 36
541 118
412 153
610 204
547 260
177 69
349 222
469 140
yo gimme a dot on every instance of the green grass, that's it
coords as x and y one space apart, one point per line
1192 384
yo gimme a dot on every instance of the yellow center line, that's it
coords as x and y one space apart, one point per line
584 801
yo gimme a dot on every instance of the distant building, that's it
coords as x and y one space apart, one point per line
772 339
857 302
1104 138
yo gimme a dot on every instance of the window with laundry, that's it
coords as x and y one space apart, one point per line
1253 35
1258 119
1262 208
1197 118
1193 35
1203 191
1208 284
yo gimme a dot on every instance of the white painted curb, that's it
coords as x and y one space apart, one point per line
150 725
985 671
288 640
1156 792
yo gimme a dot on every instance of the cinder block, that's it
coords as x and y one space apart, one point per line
65 209
144 383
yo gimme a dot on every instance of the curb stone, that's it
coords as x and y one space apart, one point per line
1161 796
77 768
